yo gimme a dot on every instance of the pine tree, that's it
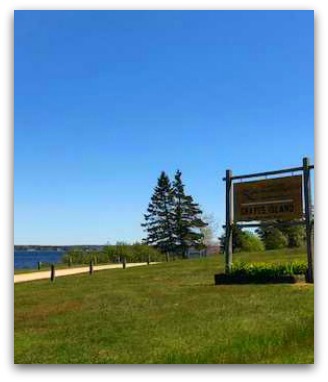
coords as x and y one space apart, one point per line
296 234
272 237
159 223
187 219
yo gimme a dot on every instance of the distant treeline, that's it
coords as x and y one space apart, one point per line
112 254
55 247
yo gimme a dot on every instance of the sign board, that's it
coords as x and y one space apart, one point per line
269 199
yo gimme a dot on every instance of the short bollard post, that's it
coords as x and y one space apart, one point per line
148 260
52 273
90 268
124 263
39 265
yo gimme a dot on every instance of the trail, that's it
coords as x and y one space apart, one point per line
32 276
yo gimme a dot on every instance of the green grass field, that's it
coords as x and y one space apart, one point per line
169 313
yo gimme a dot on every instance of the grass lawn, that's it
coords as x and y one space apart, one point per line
165 313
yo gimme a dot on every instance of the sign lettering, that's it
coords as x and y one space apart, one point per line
278 198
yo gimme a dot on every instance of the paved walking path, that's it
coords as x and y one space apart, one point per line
23 277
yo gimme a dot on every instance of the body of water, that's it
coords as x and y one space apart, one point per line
30 259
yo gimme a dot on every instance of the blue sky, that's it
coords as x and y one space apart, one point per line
106 100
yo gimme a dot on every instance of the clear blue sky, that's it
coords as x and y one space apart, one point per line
106 100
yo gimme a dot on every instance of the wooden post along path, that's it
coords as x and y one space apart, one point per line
52 273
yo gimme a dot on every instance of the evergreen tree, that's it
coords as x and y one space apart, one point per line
272 237
187 219
296 235
159 223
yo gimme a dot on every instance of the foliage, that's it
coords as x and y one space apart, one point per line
296 235
237 234
114 254
142 252
282 236
264 272
159 220
272 237
209 231
173 220
242 241
251 242
80 256
187 219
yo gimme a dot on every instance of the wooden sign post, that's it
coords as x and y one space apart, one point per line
228 240
308 218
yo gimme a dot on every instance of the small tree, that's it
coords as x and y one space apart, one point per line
209 230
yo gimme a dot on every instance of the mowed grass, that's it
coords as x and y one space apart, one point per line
169 313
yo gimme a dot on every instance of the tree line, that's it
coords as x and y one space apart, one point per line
266 238
114 253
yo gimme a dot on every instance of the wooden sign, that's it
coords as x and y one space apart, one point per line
270 199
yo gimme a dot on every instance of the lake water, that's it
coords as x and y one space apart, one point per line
29 259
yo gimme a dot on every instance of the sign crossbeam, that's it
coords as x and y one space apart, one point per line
260 174
268 224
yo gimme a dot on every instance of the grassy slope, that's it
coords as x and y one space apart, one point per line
165 313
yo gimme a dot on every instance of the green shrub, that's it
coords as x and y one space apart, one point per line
272 238
143 252
243 241
299 267
264 272
251 242
295 235
79 256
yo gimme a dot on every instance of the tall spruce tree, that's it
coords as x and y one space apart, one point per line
187 219
159 220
